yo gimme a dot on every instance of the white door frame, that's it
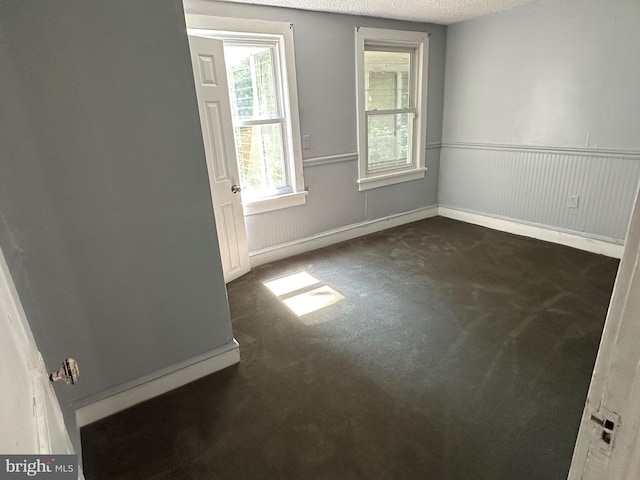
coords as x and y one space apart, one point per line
608 443
25 382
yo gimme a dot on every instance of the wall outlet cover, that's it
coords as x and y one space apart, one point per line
574 201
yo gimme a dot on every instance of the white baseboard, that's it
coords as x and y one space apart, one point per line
562 237
601 246
156 384
330 237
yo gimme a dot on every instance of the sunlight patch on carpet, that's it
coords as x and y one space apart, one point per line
291 283
316 299
301 294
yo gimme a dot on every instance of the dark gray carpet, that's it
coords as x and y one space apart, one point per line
458 353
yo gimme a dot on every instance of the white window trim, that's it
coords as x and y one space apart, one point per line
224 27
276 202
393 38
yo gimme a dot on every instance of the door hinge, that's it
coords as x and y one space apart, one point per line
607 424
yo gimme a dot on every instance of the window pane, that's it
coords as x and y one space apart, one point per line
389 140
261 159
387 84
252 83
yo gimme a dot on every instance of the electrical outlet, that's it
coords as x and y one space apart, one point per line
574 201
306 142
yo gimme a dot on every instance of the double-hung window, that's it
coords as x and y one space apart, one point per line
258 120
259 60
391 71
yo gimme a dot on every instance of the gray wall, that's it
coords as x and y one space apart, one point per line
105 211
541 103
325 66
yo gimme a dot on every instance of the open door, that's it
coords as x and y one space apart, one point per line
608 444
207 57
31 419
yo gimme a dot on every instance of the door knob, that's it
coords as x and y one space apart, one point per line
236 188
69 372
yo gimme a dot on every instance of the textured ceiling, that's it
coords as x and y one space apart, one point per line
433 11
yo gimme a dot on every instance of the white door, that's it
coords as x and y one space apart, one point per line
207 57
30 415
608 444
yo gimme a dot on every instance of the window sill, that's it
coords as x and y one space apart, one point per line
274 203
390 179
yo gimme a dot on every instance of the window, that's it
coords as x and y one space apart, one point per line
260 66
259 125
391 95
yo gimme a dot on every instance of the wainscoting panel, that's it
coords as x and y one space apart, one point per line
404 197
534 185
333 201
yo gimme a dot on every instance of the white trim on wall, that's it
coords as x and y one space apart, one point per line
347 157
115 400
608 247
329 159
592 152
330 237
269 204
